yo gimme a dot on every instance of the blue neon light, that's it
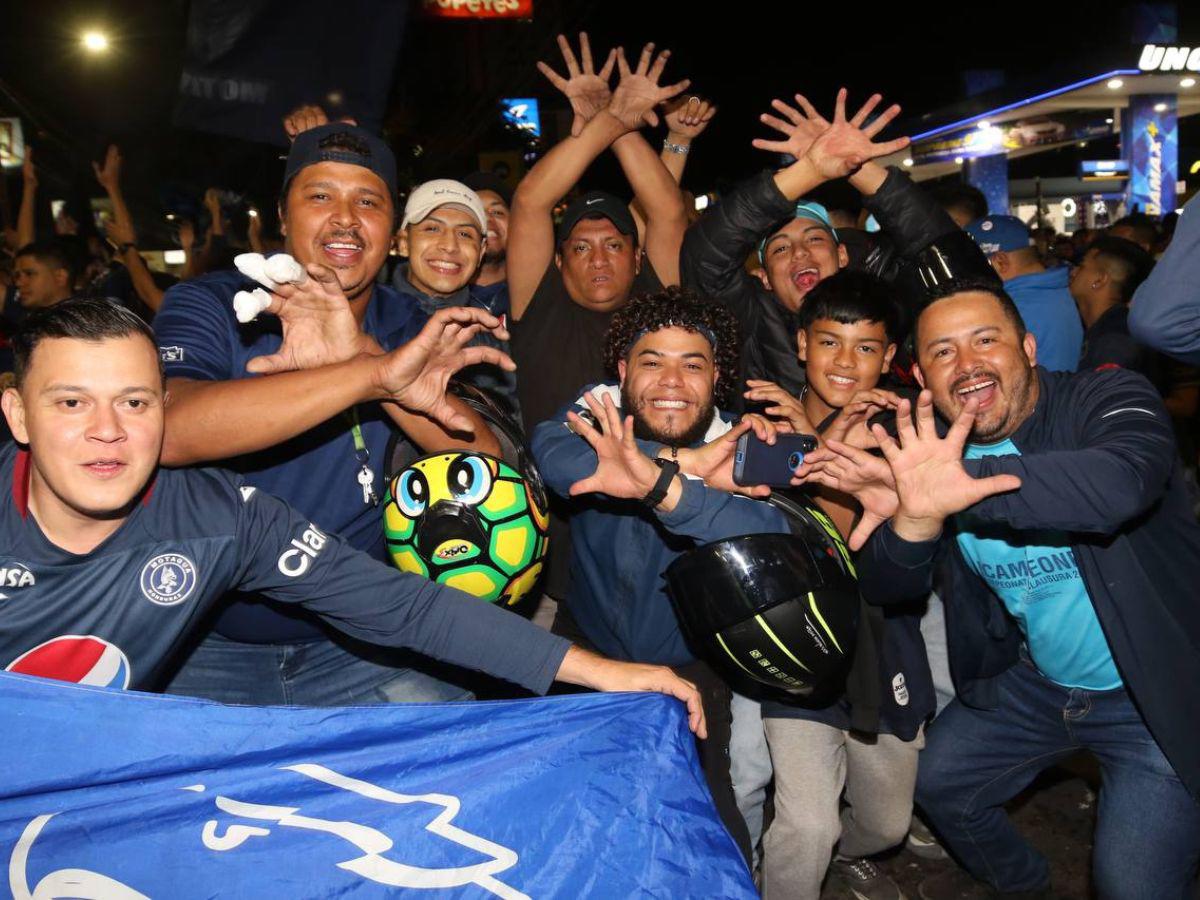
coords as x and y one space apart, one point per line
1026 102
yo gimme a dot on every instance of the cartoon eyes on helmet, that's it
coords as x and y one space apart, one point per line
470 480
412 493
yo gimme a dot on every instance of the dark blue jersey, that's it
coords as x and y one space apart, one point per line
118 615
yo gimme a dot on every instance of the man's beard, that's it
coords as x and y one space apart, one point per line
643 430
1018 391
496 258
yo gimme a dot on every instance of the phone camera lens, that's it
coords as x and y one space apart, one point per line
794 460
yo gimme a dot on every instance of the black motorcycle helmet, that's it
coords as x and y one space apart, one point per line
781 609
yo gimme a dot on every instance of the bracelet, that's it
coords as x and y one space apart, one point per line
667 474
681 149
128 245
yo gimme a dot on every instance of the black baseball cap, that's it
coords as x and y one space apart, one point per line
597 205
343 143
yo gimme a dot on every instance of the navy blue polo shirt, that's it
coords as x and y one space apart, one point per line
316 472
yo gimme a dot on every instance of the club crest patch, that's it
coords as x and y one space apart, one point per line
168 579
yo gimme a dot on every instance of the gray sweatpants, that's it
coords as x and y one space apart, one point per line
813 763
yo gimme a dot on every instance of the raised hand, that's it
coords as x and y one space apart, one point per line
318 327
109 174
713 462
622 469
28 170
850 426
687 117
799 129
930 479
187 234
120 232
585 88
638 92
785 407
866 478
845 144
302 118
416 375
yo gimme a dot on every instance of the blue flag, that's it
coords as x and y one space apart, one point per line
122 795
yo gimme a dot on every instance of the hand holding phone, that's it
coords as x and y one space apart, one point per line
756 462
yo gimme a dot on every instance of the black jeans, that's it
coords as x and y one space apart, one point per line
714 751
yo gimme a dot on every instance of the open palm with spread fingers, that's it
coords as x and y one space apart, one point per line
866 478
586 89
638 91
842 146
930 478
319 328
416 374
622 469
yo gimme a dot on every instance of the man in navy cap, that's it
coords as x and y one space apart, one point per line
306 429
1041 294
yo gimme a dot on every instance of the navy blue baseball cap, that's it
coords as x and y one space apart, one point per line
999 234
597 205
343 143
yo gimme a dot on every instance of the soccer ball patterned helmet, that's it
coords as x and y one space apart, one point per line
469 521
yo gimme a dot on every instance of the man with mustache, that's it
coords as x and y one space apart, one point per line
272 399
1055 519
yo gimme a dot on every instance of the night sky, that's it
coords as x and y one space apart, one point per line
450 73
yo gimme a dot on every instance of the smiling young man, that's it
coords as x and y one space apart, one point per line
1066 554
675 358
119 560
275 399
443 238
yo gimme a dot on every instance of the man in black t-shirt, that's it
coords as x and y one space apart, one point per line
565 285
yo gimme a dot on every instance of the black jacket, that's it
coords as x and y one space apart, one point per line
1098 461
715 250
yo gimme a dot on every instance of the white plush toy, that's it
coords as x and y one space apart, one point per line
270 273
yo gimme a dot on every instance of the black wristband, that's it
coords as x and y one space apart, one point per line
669 469
128 245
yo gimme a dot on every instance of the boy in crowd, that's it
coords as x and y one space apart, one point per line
846 340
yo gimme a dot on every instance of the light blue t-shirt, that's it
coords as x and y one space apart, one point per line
1034 574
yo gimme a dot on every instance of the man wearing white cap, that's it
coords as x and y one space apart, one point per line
442 237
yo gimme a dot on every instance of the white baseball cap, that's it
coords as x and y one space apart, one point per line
427 197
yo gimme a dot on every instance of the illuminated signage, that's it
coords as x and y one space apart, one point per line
1154 153
523 113
1104 168
986 139
1169 59
478 9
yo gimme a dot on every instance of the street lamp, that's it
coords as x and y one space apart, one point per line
94 41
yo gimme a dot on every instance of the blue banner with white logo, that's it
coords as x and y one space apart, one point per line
1152 140
123 795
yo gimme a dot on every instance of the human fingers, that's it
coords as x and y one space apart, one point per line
961 428
839 106
790 113
775 122
882 120
810 110
926 429
553 77
660 64
904 424
606 70
568 55
865 110
585 53
643 64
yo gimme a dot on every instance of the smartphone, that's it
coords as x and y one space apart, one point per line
756 462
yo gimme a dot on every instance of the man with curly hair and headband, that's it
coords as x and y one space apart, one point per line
648 463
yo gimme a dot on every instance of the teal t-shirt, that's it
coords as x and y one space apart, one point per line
1034 574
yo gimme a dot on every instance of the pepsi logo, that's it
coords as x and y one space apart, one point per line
81 659
168 579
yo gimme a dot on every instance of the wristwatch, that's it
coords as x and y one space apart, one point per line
668 469
126 247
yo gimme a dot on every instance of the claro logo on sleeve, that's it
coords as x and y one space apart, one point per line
302 551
